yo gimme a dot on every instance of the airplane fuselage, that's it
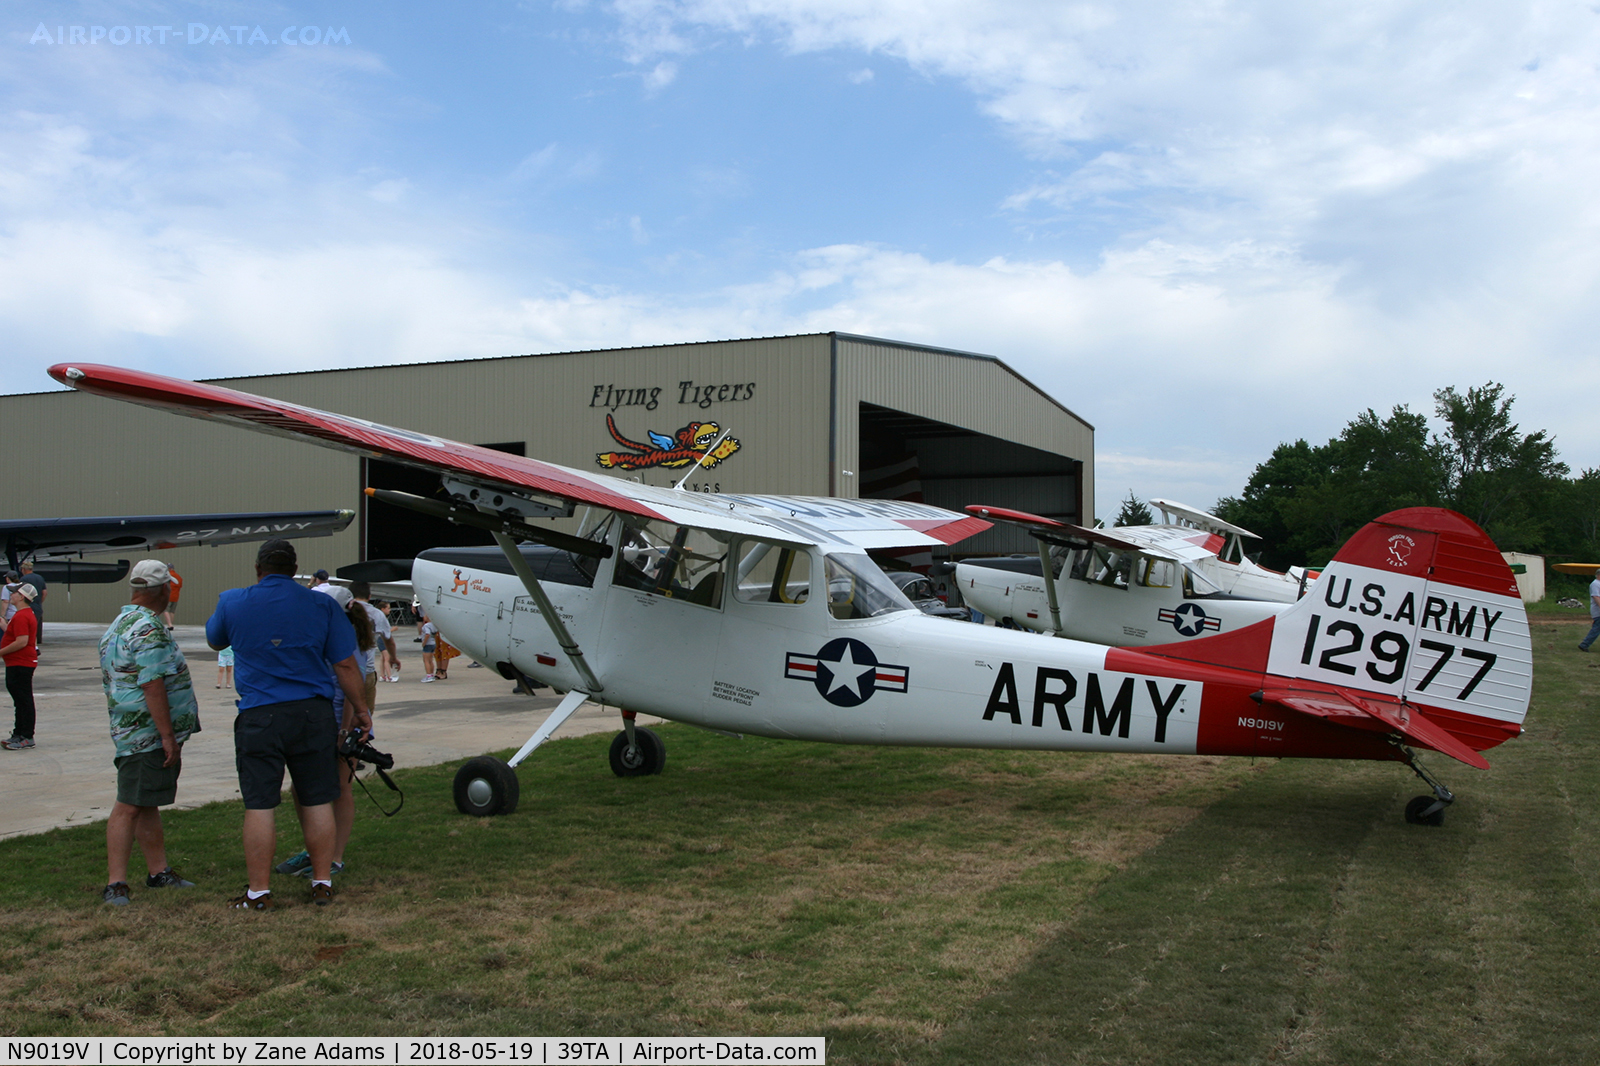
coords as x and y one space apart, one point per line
1127 614
793 670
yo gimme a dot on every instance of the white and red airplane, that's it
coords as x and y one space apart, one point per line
777 623
1129 586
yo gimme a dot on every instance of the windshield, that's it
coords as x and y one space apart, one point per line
858 589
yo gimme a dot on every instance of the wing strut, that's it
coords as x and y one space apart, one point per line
547 611
563 711
1050 588
497 525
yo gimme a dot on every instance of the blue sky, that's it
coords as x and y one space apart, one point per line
1206 227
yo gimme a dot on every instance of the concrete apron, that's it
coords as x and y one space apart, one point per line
68 779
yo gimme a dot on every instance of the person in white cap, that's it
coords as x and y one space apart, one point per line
150 697
19 647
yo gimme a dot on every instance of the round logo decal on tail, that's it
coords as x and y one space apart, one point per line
1400 549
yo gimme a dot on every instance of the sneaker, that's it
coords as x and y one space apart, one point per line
116 894
297 865
305 871
245 903
425 679
168 878
16 743
321 895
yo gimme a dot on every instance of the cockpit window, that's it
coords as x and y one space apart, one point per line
1155 573
679 562
858 589
1101 566
598 531
772 573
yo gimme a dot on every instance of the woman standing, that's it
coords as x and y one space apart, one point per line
19 647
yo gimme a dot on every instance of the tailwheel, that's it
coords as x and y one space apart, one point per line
486 786
1425 810
637 752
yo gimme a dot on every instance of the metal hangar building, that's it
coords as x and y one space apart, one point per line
825 414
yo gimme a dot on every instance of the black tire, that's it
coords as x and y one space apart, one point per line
1414 810
649 757
486 786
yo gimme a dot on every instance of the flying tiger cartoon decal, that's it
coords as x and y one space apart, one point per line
691 444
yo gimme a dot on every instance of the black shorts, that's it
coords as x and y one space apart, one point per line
299 735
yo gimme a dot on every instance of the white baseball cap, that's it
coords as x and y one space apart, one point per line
148 573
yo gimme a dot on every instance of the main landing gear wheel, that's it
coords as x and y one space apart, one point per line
486 786
646 755
1425 810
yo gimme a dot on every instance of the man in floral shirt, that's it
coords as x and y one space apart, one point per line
150 697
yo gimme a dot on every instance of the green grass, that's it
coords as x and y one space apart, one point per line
912 906
756 887
1300 920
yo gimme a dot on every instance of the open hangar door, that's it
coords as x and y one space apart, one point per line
908 457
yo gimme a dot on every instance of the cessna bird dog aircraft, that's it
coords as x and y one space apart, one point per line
1415 636
1133 585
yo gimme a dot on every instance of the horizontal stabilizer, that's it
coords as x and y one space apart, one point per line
1364 712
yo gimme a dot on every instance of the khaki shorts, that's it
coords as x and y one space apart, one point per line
372 692
143 782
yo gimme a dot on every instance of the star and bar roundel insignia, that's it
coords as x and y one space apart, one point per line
846 672
1190 619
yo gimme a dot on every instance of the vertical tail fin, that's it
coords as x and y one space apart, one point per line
1419 607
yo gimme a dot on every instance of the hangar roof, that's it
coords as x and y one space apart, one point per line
911 345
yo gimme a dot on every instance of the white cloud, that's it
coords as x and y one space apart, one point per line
660 76
1219 122
1315 210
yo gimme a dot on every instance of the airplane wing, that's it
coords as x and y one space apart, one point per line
1199 518
803 520
60 538
1064 533
1178 544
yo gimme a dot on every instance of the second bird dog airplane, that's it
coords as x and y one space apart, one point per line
1415 636
1130 586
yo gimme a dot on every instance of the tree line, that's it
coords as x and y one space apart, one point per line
1306 499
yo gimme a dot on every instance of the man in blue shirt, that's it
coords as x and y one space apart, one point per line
283 637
